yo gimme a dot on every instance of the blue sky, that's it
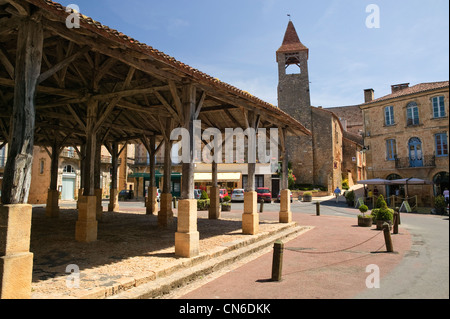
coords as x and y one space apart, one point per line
236 41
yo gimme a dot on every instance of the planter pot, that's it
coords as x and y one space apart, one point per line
380 224
365 221
226 208
307 199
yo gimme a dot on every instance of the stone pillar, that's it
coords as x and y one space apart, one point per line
285 207
152 201
250 218
86 227
214 208
16 261
98 206
52 208
165 214
187 238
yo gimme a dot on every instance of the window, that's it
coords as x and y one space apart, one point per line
69 169
41 167
389 115
438 107
441 145
391 150
412 115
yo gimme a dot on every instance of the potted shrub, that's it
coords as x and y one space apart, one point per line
440 205
363 220
383 214
307 197
350 198
226 204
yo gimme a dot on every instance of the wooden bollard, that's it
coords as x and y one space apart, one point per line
277 264
396 222
388 238
318 208
261 208
174 202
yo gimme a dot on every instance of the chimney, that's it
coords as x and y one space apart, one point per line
399 87
369 95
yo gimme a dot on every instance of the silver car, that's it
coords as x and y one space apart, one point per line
237 195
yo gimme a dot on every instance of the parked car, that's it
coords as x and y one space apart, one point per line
222 193
197 193
126 194
237 195
279 198
264 194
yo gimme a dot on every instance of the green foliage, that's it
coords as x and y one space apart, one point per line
227 199
307 194
350 196
204 195
381 203
383 214
363 209
345 184
203 204
439 202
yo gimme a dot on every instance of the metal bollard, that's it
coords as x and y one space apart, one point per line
318 208
277 264
174 202
261 208
388 238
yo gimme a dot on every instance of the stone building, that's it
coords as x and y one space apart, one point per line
328 156
406 135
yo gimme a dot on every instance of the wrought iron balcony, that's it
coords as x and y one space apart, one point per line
426 161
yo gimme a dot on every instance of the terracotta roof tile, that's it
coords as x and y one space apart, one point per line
419 88
291 41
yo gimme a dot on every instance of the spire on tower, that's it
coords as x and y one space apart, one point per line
291 41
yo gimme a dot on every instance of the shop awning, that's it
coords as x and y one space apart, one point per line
222 177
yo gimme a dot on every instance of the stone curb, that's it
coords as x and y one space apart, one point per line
186 271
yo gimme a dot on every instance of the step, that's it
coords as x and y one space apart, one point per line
188 271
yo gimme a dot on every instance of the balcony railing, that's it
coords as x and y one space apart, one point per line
406 162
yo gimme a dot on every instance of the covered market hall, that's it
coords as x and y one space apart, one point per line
88 86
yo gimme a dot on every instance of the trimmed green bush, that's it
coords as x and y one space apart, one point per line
383 214
203 204
363 209
204 195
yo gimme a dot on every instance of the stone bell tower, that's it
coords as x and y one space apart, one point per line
294 99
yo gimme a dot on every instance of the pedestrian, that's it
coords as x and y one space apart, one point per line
337 193
375 191
447 196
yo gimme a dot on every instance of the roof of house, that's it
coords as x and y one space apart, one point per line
291 41
419 88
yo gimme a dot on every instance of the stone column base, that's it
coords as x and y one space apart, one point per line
187 238
165 215
285 207
214 208
152 201
16 274
52 208
113 205
86 227
250 218
16 262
